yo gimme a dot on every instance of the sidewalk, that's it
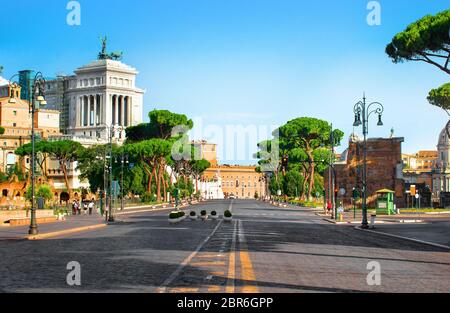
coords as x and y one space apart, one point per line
71 223
77 223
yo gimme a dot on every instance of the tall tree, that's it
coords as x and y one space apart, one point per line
152 155
198 168
440 97
92 163
66 152
42 150
426 40
308 135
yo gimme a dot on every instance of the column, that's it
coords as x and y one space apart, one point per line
86 110
122 111
95 109
80 112
102 109
113 110
130 110
125 111
116 111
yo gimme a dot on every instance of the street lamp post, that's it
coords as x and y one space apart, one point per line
35 100
109 199
123 161
361 109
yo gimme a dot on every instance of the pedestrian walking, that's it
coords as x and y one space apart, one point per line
91 206
74 207
329 206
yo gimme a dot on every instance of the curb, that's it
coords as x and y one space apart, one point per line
148 210
404 238
66 232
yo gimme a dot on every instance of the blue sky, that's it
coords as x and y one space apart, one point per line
242 62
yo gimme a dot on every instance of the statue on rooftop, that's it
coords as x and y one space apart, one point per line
103 55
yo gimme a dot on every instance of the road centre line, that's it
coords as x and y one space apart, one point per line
232 263
248 273
186 261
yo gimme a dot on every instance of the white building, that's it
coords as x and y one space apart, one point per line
101 94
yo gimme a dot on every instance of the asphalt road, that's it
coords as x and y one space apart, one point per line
264 249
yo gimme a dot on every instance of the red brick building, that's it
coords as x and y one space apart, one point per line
384 170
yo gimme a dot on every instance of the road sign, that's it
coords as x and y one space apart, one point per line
342 192
412 190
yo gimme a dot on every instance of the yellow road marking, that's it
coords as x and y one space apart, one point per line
66 232
217 273
247 271
214 289
232 264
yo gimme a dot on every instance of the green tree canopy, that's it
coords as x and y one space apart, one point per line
306 139
426 40
43 191
440 97
65 151
162 123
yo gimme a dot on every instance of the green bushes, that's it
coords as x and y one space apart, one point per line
42 191
228 214
213 213
175 215
193 213
203 213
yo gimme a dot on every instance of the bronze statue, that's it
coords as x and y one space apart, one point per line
1 70
103 55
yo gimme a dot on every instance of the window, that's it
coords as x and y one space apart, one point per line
15 113
14 124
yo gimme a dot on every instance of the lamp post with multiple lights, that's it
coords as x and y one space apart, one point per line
111 129
123 160
36 99
362 112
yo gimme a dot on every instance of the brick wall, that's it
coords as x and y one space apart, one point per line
383 160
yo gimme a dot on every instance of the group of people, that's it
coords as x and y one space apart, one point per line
86 207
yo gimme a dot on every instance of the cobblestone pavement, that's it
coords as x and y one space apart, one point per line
264 249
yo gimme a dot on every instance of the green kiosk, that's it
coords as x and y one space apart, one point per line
385 202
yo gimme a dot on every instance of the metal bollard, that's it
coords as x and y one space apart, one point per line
372 221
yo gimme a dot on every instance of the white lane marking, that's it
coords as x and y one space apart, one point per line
183 264
406 238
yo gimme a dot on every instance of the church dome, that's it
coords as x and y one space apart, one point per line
444 141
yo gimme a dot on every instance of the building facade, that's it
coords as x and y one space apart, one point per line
441 172
101 94
384 170
15 119
242 182
208 151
